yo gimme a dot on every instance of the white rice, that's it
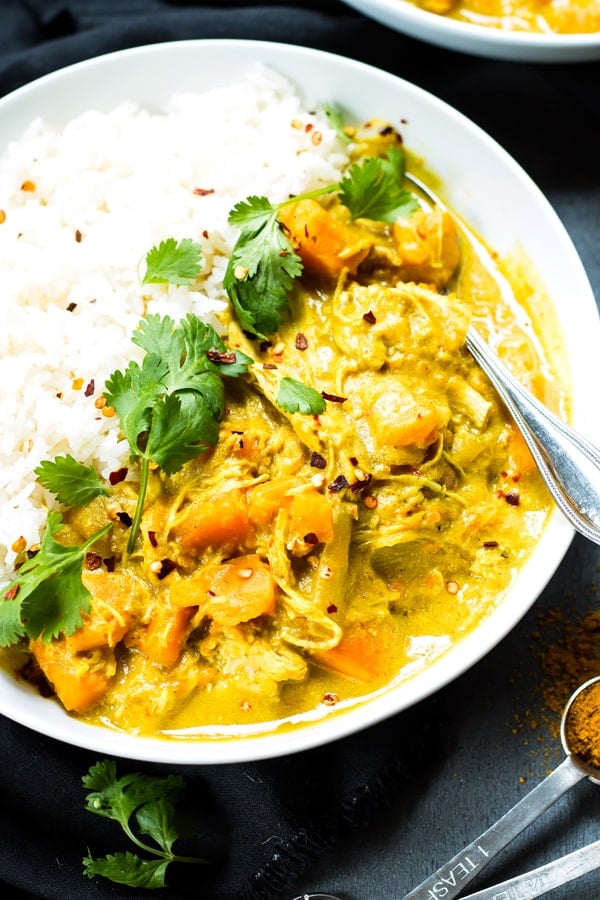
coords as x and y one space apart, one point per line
122 181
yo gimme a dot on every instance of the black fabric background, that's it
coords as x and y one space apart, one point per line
265 823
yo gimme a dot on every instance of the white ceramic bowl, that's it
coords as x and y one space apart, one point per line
479 39
491 181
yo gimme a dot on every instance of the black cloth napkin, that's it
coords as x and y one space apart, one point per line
264 823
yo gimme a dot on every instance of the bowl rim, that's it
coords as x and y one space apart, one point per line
45 717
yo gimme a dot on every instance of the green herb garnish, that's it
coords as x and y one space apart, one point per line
173 263
73 483
294 396
263 264
170 406
150 803
48 595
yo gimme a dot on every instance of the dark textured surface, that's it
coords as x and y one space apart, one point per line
373 814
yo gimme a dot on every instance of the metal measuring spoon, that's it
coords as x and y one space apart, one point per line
453 876
568 462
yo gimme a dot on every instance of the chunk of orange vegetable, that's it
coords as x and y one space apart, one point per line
266 499
110 616
311 514
400 420
361 654
235 591
428 246
325 245
216 522
163 639
79 681
521 462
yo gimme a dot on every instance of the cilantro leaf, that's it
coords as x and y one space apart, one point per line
373 189
150 801
48 595
294 396
336 120
262 267
173 262
128 869
170 406
73 483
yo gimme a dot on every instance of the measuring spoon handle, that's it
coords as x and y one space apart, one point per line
541 881
451 878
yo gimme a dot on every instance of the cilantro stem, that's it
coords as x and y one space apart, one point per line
137 516
309 195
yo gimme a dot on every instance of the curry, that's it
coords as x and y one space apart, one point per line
309 559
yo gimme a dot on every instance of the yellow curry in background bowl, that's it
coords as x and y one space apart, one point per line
537 16
306 559
316 572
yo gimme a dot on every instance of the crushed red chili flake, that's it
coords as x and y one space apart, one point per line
152 538
93 561
11 593
301 342
264 346
338 484
71 307
78 235
125 519
205 234
311 538
369 317
360 485
387 129
330 699
203 192
90 388
269 366
333 398
332 608
221 358
489 545
118 475
110 563
512 498
317 461
166 567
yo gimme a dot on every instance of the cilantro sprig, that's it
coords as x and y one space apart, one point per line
264 264
171 404
173 262
48 595
147 803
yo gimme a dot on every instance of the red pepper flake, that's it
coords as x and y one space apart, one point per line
269 366
125 519
11 593
118 476
164 568
205 234
301 343
152 538
369 317
333 398
93 561
386 130
71 307
338 484
90 388
110 563
221 358
317 461
78 235
264 346
311 538
512 498
330 699
489 545
203 192
360 485
332 608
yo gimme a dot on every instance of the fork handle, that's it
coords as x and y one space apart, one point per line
451 878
